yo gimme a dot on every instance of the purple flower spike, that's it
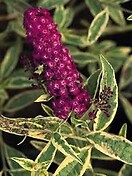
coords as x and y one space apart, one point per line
59 73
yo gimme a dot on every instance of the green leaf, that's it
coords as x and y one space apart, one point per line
25 163
58 158
22 100
51 3
112 145
123 130
61 144
94 6
68 18
19 6
126 170
84 58
1 173
129 18
105 171
120 1
4 34
92 83
73 39
127 107
17 26
3 95
116 14
39 127
117 56
16 172
70 166
99 156
126 73
43 98
47 110
108 79
97 26
100 174
63 17
17 82
79 122
10 60
40 172
59 16
15 168
11 152
47 155
39 145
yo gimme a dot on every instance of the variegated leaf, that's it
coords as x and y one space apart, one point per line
112 145
47 154
39 127
97 26
123 130
51 4
62 145
126 170
25 163
108 80
70 166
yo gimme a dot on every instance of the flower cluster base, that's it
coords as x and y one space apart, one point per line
59 72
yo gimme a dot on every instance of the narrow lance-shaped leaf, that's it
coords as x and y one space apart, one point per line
3 95
105 171
92 83
120 1
100 174
17 26
62 145
97 26
43 97
96 154
51 4
123 130
59 16
10 60
112 145
22 100
127 107
129 18
39 127
108 80
84 58
47 155
68 18
47 110
117 56
126 78
94 6
21 171
25 163
126 170
11 152
63 17
1 173
19 6
116 14
70 166
72 39
39 145
17 82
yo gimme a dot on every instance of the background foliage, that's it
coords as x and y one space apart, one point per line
89 29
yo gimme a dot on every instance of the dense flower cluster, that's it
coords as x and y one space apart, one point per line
102 102
59 73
